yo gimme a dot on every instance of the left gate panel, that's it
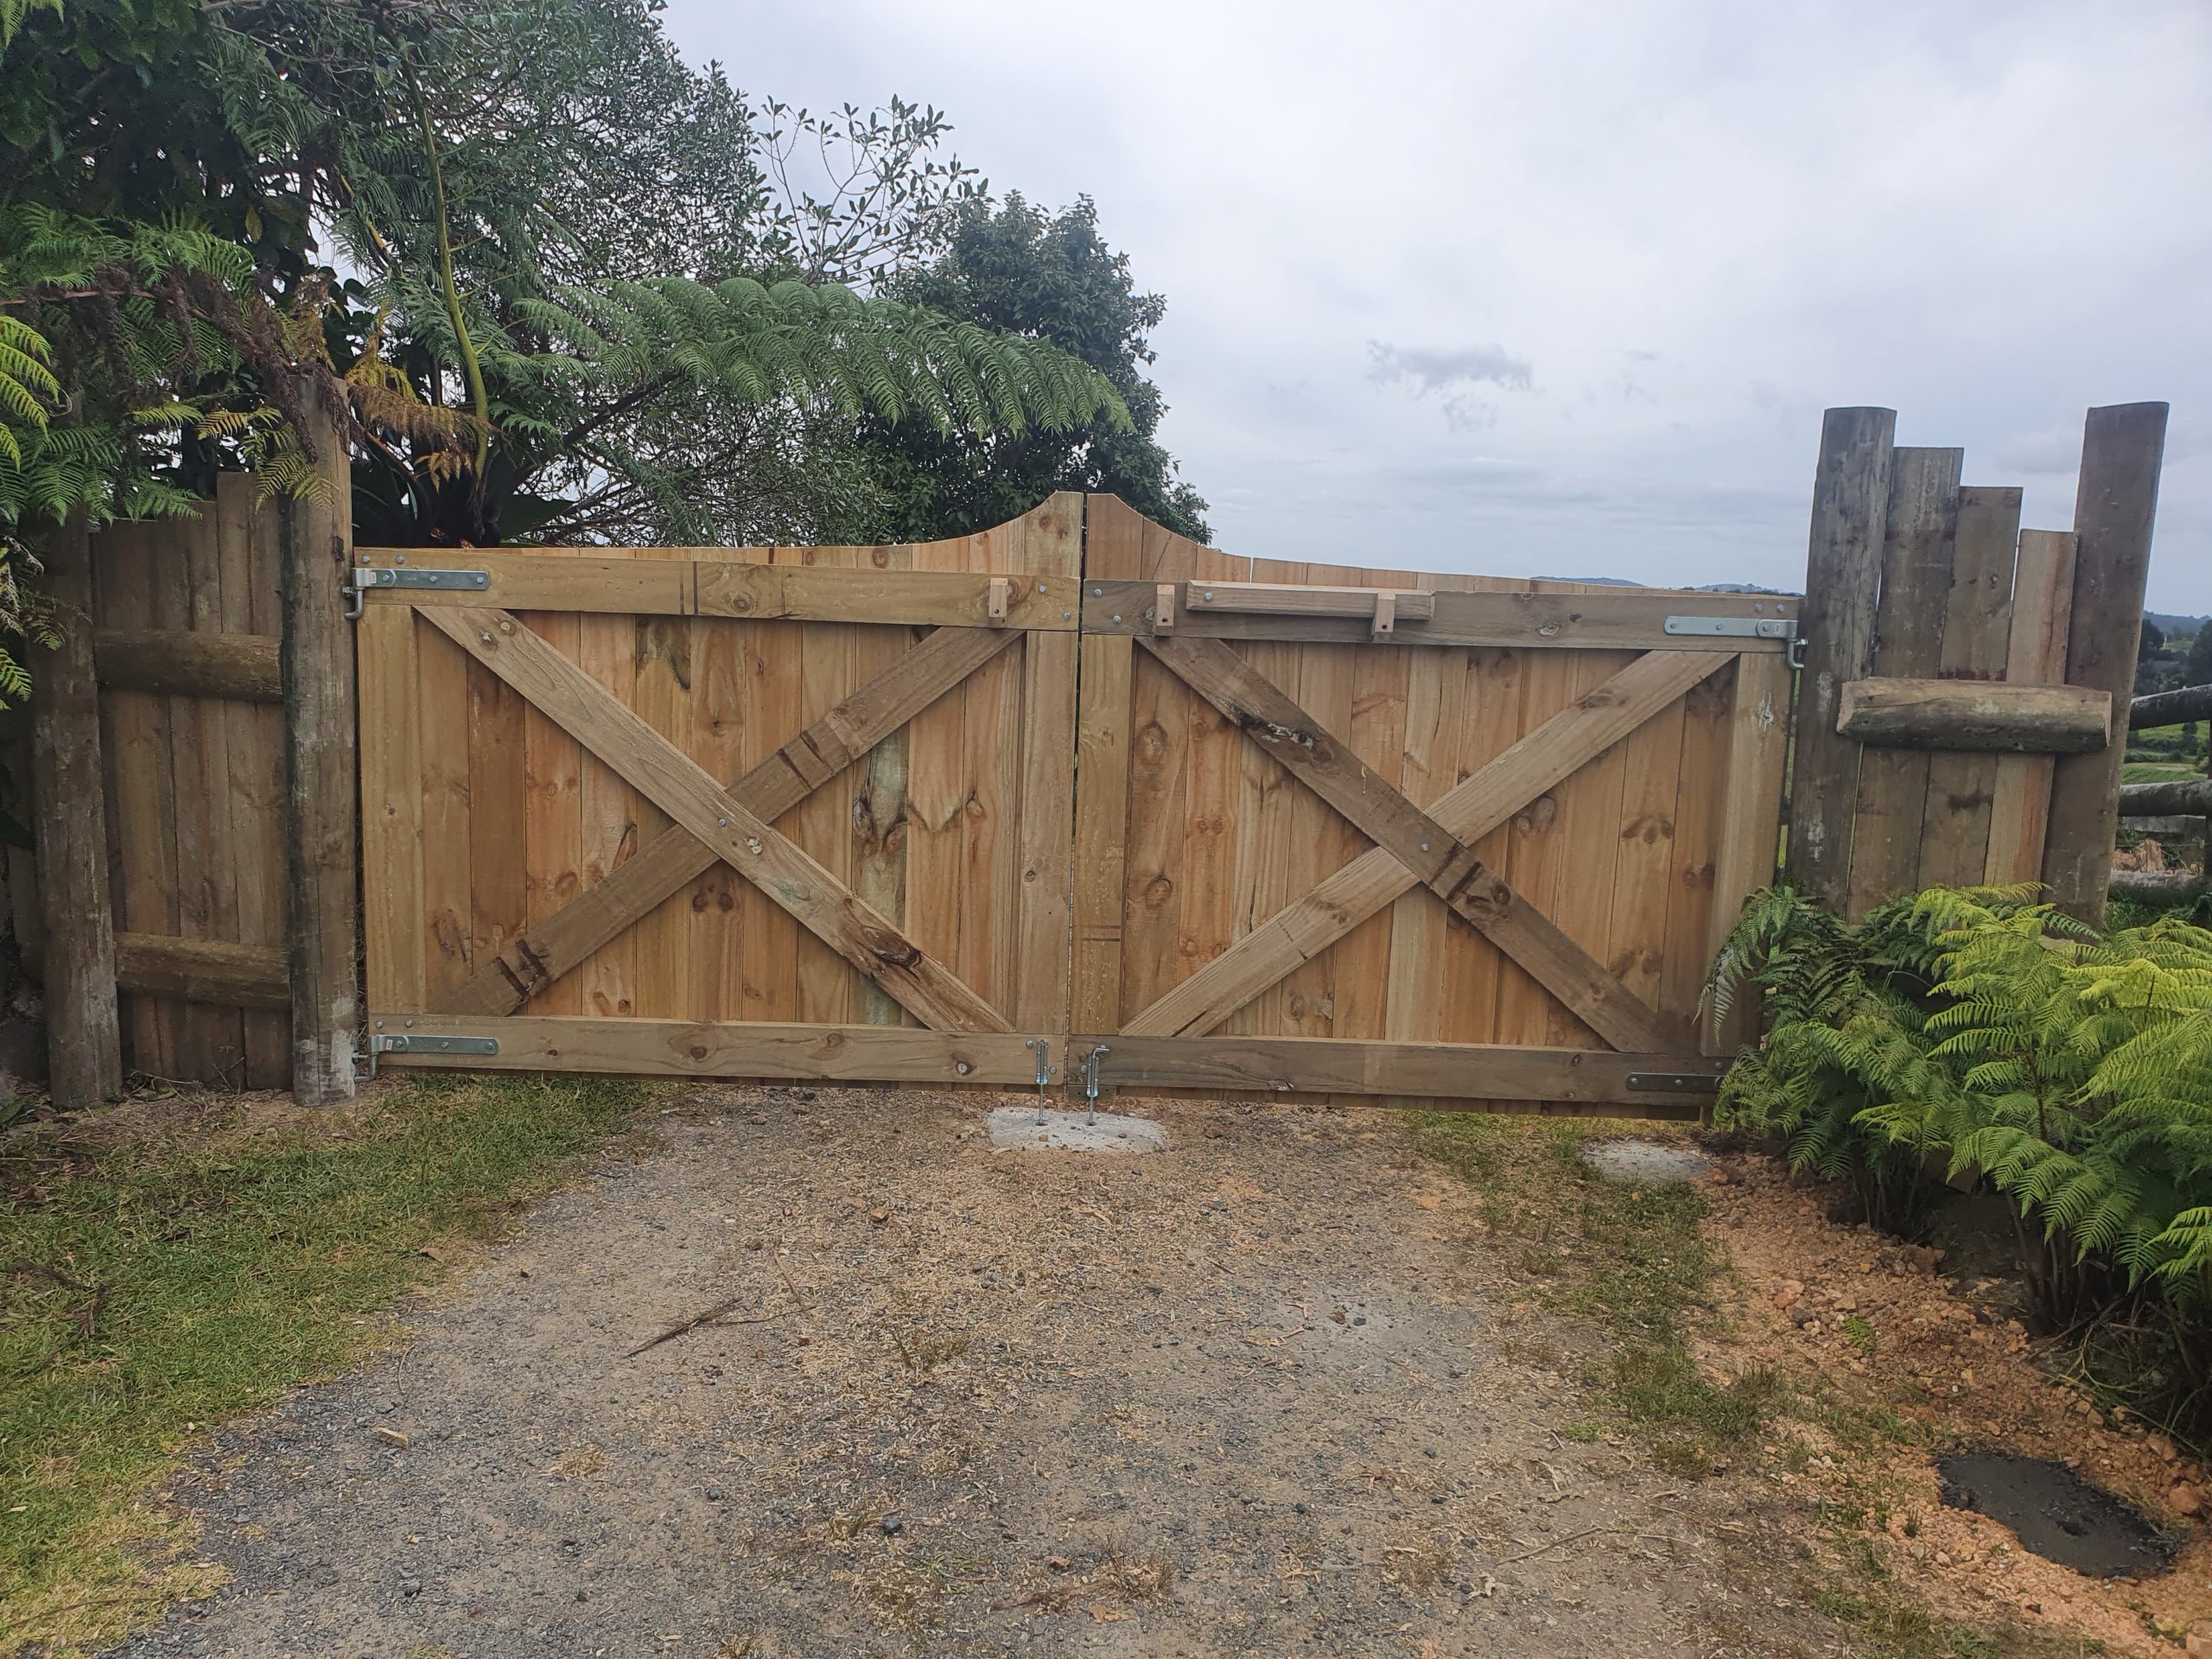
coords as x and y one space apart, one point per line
491 832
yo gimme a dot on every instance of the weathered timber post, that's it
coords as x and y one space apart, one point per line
84 1038
1843 567
316 547
2113 508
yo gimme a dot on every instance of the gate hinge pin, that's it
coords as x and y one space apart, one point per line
1043 1047
1091 1081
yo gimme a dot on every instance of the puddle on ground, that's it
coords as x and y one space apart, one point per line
1646 1163
2057 1513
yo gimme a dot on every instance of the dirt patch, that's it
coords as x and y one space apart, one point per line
1265 1389
1890 1336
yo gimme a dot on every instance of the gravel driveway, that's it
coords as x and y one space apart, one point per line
1266 1392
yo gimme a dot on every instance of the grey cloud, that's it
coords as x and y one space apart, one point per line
1427 370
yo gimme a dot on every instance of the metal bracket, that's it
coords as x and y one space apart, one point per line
1734 627
1674 1083
363 577
1044 1048
1090 1080
408 1042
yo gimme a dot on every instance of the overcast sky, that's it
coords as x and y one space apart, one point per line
1562 288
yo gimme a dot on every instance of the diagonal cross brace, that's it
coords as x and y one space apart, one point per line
1444 864
716 817
1478 805
540 954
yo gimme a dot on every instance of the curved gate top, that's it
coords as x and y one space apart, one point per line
896 813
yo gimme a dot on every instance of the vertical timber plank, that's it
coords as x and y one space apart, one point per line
1751 820
208 894
143 802
321 853
1038 1000
663 688
2043 607
553 814
1534 865
257 763
607 811
499 794
446 925
177 555
84 1033
1494 699
1917 546
1102 805
1635 946
826 984
1380 692
879 817
1850 496
392 912
1700 803
2114 508
1977 627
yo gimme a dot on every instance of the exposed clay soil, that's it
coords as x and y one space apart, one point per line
1945 1355
1245 1396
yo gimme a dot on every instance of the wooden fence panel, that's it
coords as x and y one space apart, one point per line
194 785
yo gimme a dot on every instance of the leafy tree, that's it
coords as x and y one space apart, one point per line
2196 666
555 240
1052 278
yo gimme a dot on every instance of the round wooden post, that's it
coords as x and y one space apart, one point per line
1843 573
83 1040
315 546
2114 509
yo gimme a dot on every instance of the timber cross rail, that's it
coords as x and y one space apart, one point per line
904 813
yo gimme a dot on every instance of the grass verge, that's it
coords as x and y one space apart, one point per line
1634 1262
161 1271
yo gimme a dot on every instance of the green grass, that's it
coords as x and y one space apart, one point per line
1632 1260
2159 772
1635 1262
159 1280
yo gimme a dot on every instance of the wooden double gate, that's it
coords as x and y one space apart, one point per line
900 813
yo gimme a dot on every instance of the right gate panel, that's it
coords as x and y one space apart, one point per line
1232 927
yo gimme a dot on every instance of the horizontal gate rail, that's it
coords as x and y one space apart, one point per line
1565 1079
729 1048
1581 621
650 585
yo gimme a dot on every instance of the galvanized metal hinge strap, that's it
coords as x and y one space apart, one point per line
1743 627
1734 627
1674 1083
361 578
409 1042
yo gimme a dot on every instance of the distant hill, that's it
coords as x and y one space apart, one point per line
1701 588
2175 624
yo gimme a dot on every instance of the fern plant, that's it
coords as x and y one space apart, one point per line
1983 1035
